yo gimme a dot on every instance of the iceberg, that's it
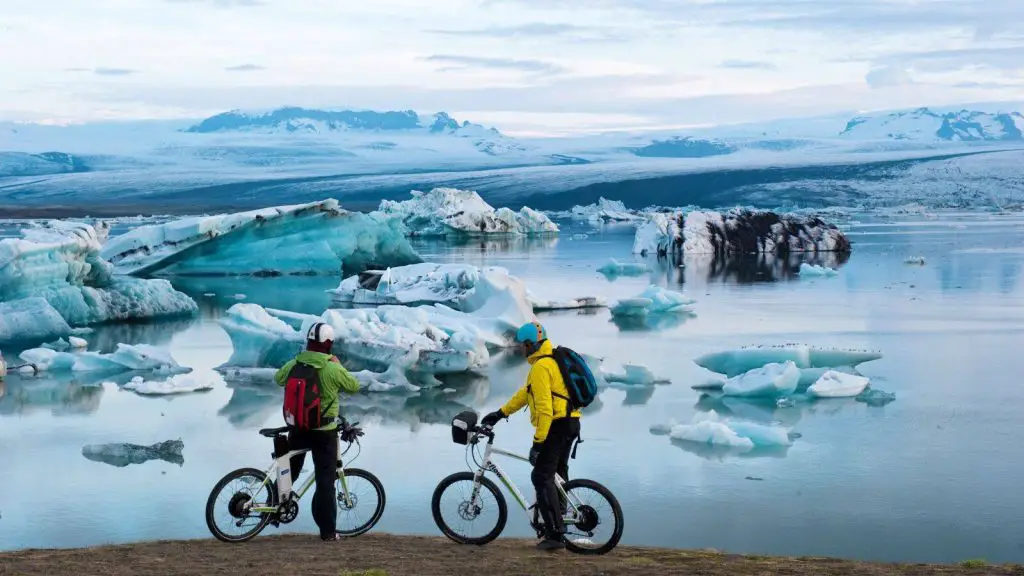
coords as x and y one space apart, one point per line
122 454
772 380
634 375
127 357
833 384
314 238
813 270
428 283
614 268
875 397
603 211
735 362
918 260
177 384
653 300
54 279
428 339
454 212
738 231
710 428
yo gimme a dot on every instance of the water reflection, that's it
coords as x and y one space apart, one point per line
214 295
467 247
652 322
61 395
739 269
720 453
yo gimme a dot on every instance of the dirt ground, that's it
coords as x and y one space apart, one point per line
383 554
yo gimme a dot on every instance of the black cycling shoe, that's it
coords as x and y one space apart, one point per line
550 544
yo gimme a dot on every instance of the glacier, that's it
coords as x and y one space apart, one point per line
127 357
54 279
737 231
735 362
313 238
426 339
455 212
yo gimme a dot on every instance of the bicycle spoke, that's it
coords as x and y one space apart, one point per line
589 503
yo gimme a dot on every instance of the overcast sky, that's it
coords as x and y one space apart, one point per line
528 65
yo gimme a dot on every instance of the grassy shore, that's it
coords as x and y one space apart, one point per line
388 555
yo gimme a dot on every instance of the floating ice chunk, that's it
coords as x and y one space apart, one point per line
3 366
875 397
77 342
710 428
121 454
633 374
813 270
735 362
450 211
54 278
60 345
653 300
833 384
541 305
178 384
738 231
615 268
809 376
919 260
391 380
603 211
126 357
319 237
771 380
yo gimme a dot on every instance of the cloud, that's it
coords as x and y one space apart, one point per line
1009 57
244 68
561 31
887 76
104 71
748 64
458 62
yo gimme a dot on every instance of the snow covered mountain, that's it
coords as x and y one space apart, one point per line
925 124
292 119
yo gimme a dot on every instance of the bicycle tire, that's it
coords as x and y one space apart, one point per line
379 488
212 500
616 512
435 507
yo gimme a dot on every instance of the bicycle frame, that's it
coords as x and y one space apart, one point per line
281 469
489 465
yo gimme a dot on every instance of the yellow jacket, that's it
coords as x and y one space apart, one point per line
542 383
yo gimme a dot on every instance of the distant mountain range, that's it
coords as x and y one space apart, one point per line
924 124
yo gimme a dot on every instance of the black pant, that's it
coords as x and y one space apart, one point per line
554 457
324 447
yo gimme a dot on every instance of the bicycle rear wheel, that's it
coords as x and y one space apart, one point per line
366 494
595 507
238 502
465 509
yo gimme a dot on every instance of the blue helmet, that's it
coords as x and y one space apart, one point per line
531 332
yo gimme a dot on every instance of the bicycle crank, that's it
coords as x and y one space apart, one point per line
288 512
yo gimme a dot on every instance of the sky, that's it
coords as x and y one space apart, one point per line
528 66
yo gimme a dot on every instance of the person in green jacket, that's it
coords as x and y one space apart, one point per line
318 364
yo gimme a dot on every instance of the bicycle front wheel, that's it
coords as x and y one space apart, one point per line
593 511
361 500
231 501
467 503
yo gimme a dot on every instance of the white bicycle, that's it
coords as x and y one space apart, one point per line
583 518
280 503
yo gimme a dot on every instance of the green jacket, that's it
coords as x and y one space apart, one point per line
333 379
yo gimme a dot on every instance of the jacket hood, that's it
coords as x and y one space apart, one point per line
315 359
545 350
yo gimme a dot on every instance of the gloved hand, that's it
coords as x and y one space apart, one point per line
535 452
491 419
351 434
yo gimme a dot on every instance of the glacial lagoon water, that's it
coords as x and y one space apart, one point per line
933 476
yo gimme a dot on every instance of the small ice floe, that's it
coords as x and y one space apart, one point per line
771 380
734 362
875 397
178 384
653 300
126 357
834 384
710 428
814 271
918 260
123 454
614 268
633 374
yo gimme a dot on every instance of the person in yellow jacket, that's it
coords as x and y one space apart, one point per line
555 427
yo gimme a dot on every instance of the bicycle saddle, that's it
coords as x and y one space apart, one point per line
271 432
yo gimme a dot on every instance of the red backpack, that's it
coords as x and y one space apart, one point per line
302 406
